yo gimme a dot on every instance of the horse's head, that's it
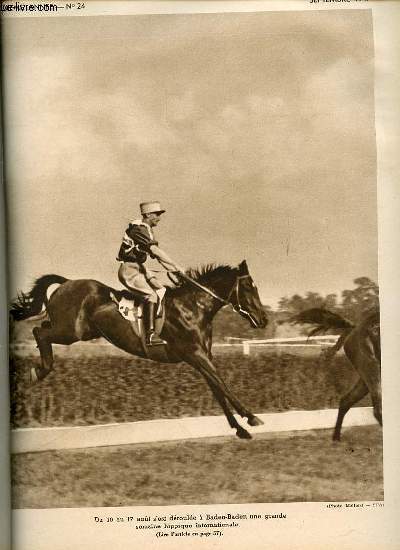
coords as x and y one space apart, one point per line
245 299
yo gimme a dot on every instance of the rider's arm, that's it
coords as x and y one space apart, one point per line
164 259
141 237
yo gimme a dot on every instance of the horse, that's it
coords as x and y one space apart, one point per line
83 309
361 344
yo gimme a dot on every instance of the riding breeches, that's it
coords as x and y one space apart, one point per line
137 278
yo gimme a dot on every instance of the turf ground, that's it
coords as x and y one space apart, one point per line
285 468
93 385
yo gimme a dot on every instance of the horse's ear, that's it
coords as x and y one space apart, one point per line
243 269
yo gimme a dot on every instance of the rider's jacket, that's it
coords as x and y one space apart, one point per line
136 243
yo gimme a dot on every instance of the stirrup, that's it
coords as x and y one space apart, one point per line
152 339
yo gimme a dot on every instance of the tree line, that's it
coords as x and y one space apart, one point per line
351 304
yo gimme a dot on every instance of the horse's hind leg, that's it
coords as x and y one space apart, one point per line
378 412
371 374
42 336
356 393
376 397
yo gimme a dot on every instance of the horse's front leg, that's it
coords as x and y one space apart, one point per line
202 363
233 423
357 392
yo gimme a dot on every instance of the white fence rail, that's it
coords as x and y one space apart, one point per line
232 342
31 440
297 341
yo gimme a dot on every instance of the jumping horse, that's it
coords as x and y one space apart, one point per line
81 310
361 344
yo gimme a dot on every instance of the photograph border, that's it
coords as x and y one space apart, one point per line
311 522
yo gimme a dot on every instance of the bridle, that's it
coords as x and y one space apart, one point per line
235 290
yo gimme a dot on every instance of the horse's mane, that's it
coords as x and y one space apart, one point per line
204 274
207 272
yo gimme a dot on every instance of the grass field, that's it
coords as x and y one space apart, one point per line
308 467
93 385
93 388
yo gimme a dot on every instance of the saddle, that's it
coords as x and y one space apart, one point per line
130 307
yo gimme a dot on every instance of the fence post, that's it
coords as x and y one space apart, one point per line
246 347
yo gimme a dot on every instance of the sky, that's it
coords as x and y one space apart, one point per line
255 131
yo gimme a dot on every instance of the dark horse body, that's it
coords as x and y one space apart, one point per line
84 310
361 344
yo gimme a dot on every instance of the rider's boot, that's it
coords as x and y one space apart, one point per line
152 338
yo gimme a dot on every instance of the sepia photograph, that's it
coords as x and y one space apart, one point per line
192 223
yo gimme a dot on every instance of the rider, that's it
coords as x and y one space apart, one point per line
138 242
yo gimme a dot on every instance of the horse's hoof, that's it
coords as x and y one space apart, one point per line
34 376
243 434
37 374
336 438
255 421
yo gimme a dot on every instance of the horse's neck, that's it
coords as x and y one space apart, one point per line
222 286
207 305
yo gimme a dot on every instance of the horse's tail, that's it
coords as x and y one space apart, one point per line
324 320
31 303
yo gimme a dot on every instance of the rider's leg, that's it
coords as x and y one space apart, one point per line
133 278
149 312
157 287
151 307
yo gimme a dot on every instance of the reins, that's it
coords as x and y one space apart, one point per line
226 302
204 288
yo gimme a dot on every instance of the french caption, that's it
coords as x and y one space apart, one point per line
188 525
